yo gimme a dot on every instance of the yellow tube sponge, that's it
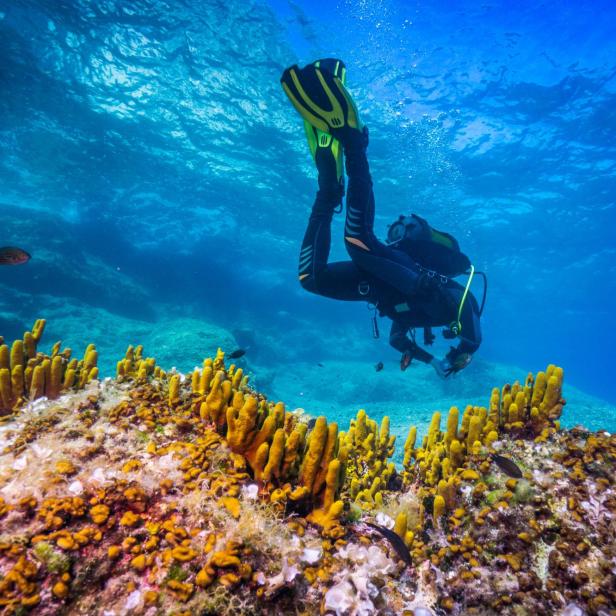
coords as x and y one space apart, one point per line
490 437
553 391
5 357
70 377
452 425
522 404
213 407
29 345
89 362
327 516
474 431
6 393
456 454
293 446
54 386
332 483
17 354
329 453
236 381
259 461
438 509
276 454
37 387
174 389
494 414
539 389
37 329
219 360
434 430
513 413
18 382
409 446
316 444
400 526
241 425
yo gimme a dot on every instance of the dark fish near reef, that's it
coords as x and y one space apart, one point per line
396 542
237 353
9 255
509 467
378 367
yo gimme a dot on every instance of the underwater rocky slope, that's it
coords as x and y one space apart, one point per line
162 493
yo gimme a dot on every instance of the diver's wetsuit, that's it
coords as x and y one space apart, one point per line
380 274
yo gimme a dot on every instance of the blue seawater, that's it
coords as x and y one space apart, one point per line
151 164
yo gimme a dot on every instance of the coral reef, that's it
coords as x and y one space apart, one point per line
161 492
26 374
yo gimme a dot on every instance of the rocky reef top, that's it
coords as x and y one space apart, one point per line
164 493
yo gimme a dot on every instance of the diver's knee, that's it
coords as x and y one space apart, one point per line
308 283
355 245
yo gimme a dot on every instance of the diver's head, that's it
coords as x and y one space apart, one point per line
401 229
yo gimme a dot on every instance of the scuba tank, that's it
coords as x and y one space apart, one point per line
432 249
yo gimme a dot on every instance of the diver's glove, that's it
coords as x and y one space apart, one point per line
451 364
442 367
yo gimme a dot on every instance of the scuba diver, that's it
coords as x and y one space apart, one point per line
408 278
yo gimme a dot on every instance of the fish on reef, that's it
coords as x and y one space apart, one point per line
395 540
237 353
10 255
378 367
509 467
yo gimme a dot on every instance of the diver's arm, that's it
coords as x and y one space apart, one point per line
470 332
470 338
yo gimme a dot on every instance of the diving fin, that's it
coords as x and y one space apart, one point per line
326 150
321 99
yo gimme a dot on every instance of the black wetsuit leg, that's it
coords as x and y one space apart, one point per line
389 264
400 341
340 280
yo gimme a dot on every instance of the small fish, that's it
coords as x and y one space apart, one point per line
320 365
237 353
396 542
9 255
509 467
378 367
311 423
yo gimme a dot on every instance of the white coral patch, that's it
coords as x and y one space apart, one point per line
286 575
250 491
40 451
355 586
384 520
311 556
76 488
98 477
133 600
340 597
20 463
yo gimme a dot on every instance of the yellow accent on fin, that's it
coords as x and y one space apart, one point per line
334 118
309 117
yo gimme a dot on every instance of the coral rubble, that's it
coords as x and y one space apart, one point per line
159 492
